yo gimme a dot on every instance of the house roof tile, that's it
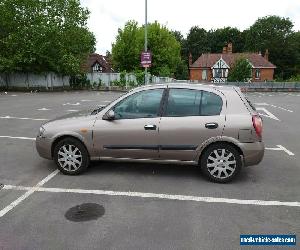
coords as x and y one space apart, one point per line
208 60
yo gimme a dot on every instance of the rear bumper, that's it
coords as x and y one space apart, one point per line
43 147
253 152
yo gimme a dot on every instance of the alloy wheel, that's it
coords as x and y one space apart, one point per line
221 163
69 158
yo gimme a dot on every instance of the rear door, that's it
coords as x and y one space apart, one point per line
190 117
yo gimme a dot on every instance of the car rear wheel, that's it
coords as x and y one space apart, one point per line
221 162
71 156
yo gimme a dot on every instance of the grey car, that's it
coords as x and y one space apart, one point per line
213 127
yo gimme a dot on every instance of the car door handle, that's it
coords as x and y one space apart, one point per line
211 125
150 127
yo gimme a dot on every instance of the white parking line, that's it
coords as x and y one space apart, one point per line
72 104
43 109
157 196
72 110
30 191
268 113
86 100
16 137
281 148
23 118
266 104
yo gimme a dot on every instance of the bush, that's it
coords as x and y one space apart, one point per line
140 77
79 81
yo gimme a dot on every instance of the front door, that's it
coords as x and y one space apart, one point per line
190 118
134 131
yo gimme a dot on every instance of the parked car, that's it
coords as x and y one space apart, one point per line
214 127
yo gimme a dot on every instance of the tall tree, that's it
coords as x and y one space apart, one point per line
127 47
197 42
220 37
182 72
273 33
161 42
39 36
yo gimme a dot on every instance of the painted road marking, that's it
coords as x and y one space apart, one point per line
86 100
17 137
266 104
27 194
72 110
43 109
281 148
268 113
23 118
72 104
157 196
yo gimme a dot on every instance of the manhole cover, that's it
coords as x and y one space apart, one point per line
85 212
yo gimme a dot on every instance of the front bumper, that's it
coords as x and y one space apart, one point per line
43 147
253 152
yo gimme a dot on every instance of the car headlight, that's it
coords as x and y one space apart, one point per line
41 131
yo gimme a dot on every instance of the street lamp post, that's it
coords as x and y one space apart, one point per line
146 45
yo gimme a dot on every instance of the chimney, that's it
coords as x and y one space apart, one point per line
267 55
190 59
229 48
224 50
259 52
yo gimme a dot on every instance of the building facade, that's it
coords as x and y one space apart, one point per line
215 67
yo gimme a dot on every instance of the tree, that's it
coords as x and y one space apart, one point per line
220 37
273 33
161 42
40 36
240 71
197 42
127 47
182 71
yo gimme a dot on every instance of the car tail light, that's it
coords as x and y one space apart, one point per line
257 124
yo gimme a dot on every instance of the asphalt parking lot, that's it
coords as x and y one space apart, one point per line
143 206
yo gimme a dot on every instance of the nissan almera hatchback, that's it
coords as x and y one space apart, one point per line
214 127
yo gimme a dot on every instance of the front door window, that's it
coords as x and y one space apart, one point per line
144 104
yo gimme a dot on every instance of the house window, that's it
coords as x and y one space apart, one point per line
204 74
97 68
257 73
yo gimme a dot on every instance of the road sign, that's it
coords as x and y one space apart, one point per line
146 59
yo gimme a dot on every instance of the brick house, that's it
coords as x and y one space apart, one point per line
97 63
214 67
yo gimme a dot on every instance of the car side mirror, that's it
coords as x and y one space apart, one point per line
110 115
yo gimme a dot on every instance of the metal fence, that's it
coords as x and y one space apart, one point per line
107 79
48 80
258 86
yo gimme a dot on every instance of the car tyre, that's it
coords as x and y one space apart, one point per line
221 162
71 156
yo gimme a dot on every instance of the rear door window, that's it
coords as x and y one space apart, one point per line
183 102
211 104
189 102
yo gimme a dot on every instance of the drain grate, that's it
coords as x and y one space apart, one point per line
85 212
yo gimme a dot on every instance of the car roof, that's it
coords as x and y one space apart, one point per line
186 85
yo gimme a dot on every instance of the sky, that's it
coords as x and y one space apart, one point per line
109 15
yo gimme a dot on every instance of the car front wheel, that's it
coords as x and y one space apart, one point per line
71 156
221 162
